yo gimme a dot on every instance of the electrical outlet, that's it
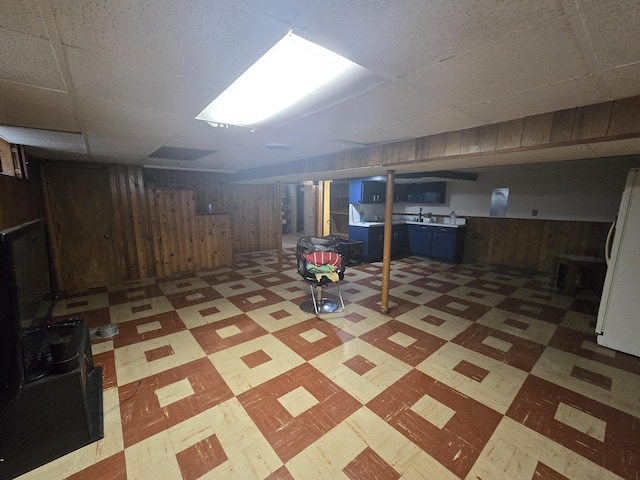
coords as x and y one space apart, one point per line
534 213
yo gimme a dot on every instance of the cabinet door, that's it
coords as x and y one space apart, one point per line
428 193
419 240
376 243
373 192
400 192
398 240
443 244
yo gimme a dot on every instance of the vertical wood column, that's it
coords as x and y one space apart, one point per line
278 207
388 232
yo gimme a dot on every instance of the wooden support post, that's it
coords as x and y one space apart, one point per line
278 206
386 252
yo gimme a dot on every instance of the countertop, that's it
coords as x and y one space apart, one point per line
405 222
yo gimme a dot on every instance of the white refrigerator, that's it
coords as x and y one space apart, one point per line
618 324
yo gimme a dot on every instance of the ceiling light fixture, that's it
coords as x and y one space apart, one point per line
292 69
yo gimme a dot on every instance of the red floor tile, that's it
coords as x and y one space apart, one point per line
458 444
536 405
423 344
290 435
141 413
516 351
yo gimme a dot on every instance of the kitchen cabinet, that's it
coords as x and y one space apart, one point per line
419 240
367 191
400 192
433 241
399 240
431 193
362 190
442 243
373 238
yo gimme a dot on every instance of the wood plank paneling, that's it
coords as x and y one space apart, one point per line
453 143
160 231
537 129
624 116
437 145
489 138
510 134
591 123
562 125
471 140
531 244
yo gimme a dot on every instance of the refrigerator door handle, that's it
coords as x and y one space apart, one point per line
609 243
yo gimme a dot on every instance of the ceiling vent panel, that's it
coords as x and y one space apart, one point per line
179 153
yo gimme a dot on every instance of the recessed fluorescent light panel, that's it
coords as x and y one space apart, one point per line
291 71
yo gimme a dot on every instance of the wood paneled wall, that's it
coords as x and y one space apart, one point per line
164 230
159 232
619 119
183 240
255 215
21 200
531 244
254 209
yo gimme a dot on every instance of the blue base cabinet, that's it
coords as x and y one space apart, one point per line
373 238
441 243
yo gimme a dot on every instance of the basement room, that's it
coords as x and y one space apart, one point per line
320 239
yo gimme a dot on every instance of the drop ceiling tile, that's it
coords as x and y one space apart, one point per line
629 146
19 119
374 136
623 81
54 140
192 39
33 107
283 10
128 83
541 55
605 23
314 128
35 101
127 116
576 92
22 16
49 154
114 140
110 147
446 121
123 134
32 63
369 34
385 105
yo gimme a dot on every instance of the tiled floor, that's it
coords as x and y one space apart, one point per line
477 372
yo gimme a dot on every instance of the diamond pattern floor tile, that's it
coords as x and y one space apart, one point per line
476 371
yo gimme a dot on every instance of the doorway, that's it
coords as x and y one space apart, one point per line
81 220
